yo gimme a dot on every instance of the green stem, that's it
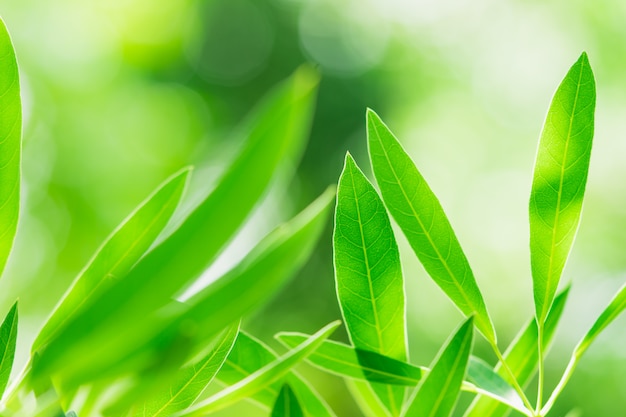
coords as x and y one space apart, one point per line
564 379
514 381
541 369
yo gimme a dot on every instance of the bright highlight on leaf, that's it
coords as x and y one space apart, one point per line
559 181
419 214
10 144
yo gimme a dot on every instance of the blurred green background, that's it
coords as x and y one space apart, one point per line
119 94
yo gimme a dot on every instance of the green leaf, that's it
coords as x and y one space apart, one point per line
117 255
522 358
419 214
192 380
369 280
276 135
261 378
253 281
287 404
346 361
8 338
614 309
10 144
489 383
559 181
439 391
366 398
248 356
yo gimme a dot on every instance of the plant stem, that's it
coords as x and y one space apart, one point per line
564 379
541 368
514 381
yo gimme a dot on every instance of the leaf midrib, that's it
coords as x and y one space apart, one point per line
546 295
426 232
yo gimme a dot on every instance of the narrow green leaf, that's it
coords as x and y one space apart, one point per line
614 309
559 181
488 382
261 378
10 144
276 135
253 281
117 255
419 214
439 391
192 380
248 356
8 338
522 358
370 287
346 361
287 404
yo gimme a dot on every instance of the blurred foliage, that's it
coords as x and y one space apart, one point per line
119 94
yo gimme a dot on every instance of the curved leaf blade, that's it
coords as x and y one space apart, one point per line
117 255
261 378
370 287
287 404
248 356
419 214
610 313
559 180
10 144
277 133
192 380
438 393
8 339
253 281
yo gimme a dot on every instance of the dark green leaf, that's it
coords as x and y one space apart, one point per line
419 214
8 338
559 181
287 404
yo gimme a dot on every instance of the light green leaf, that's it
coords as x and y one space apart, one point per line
253 281
192 380
8 338
614 309
276 135
366 398
248 356
370 287
287 404
489 383
419 214
438 393
261 378
346 361
117 255
522 358
10 144
559 181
